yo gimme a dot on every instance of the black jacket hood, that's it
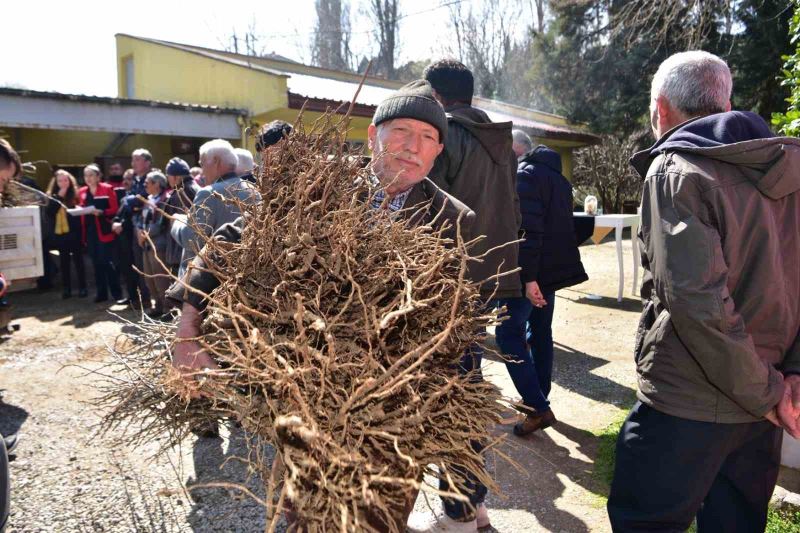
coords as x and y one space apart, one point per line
542 155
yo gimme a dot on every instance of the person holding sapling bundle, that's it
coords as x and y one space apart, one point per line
406 135
97 234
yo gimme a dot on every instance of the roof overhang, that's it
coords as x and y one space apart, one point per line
53 111
321 105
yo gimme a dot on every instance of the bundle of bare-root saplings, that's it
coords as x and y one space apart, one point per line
338 330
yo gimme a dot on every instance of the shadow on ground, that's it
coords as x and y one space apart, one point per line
11 417
223 461
536 488
48 306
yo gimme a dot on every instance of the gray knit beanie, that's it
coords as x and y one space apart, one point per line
414 100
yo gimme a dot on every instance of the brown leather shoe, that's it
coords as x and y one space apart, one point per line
535 422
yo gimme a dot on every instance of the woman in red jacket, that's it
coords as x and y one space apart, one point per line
97 234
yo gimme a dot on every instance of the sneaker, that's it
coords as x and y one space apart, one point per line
482 517
11 443
439 522
535 422
123 301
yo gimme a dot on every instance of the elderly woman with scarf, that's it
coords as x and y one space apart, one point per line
152 235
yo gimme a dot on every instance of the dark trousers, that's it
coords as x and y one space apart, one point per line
474 489
105 273
670 470
70 250
124 246
526 339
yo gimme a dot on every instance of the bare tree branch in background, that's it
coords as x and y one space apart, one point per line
485 34
331 38
250 43
655 21
539 7
386 17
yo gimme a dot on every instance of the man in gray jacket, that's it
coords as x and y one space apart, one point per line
215 204
717 350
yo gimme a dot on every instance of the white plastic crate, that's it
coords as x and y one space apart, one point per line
21 243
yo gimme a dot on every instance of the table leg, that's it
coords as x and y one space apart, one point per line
636 258
618 235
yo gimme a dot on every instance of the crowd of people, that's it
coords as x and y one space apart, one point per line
718 343
133 223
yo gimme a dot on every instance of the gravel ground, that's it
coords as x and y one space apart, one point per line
66 478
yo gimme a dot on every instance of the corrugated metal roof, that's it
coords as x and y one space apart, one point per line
120 101
327 89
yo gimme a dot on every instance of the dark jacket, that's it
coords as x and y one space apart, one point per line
130 208
426 204
179 202
721 247
74 235
156 224
478 167
549 254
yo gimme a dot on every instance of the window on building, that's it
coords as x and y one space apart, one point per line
127 65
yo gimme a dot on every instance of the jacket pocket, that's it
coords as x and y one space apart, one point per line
646 321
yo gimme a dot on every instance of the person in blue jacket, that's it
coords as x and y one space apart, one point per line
550 260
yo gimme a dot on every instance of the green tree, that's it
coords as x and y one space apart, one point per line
789 122
595 62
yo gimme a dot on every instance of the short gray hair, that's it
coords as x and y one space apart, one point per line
221 149
158 177
696 83
523 139
245 163
143 152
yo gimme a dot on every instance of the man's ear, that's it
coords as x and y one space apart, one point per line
728 106
372 132
439 150
664 109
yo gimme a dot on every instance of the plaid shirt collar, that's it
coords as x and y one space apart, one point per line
395 204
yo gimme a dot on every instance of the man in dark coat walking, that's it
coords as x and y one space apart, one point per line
550 261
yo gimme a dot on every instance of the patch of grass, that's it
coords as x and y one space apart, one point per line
606 452
785 520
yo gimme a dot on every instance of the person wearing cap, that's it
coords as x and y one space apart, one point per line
272 134
180 200
407 132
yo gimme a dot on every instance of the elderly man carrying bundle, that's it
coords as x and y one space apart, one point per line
406 135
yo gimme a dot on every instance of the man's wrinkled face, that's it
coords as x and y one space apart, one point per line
404 150
212 168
